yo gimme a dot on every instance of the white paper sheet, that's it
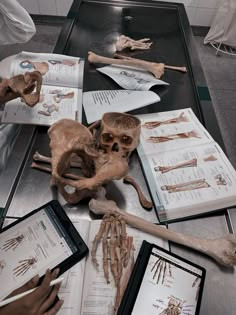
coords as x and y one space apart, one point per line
96 103
130 78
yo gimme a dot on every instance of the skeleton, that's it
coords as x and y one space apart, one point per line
117 248
24 266
100 163
127 42
13 243
182 135
23 86
220 180
157 69
223 249
155 124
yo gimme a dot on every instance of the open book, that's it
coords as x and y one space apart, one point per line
61 93
186 170
84 289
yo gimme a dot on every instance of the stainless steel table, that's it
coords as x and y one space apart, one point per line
95 25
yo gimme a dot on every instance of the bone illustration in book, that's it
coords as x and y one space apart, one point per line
220 180
24 266
165 169
160 270
13 243
189 163
175 120
2 265
191 185
117 250
174 307
182 135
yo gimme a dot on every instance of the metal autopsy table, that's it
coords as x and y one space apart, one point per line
95 26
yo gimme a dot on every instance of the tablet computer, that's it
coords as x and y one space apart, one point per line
162 283
44 238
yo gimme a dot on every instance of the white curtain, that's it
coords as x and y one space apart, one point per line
223 28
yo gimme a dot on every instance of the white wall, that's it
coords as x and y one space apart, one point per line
200 12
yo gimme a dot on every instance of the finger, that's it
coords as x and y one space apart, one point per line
41 293
55 308
27 286
50 299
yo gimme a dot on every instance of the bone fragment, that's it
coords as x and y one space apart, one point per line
157 69
143 201
49 170
127 42
223 249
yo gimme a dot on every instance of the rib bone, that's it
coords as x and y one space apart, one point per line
223 250
157 69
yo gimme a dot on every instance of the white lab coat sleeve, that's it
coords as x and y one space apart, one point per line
16 25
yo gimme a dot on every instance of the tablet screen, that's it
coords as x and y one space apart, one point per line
30 247
169 286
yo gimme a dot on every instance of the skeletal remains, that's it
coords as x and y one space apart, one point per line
24 86
223 249
102 157
157 69
124 42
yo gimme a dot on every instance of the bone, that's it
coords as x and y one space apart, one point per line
223 249
124 42
143 201
49 170
157 69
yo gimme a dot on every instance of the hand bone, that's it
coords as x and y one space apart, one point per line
157 69
223 249
127 42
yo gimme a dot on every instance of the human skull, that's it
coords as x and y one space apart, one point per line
119 133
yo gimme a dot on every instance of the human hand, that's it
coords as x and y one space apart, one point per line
37 302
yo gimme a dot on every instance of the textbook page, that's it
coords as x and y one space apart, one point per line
71 289
98 296
165 131
54 104
190 181
130 78
60 70
97 103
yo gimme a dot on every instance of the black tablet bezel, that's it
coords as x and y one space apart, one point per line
134 284
82 249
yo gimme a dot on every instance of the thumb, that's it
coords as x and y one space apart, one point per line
27 286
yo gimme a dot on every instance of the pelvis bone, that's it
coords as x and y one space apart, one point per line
101 160
24 86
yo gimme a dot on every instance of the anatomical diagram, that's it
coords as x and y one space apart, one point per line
165 169
183 135
13 243
155 124
174 307
118 253
160 270
191 185
24 265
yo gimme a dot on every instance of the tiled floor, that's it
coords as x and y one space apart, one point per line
220 72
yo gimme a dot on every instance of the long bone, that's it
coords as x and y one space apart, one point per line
157 69
223 249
